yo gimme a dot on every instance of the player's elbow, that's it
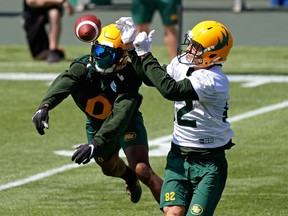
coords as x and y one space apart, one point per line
168 95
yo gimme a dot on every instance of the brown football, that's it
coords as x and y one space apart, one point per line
87 28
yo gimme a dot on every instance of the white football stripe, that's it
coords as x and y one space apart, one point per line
38 176
249 81
89 23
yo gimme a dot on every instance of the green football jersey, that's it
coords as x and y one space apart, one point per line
109 101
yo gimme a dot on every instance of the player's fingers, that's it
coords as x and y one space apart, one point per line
41 131
86 161
151 34
76 153
141 36
45 123
119 25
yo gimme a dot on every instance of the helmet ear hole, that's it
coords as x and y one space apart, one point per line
212 56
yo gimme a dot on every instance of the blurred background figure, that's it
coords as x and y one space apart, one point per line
240 5
143 12
36 14
82 5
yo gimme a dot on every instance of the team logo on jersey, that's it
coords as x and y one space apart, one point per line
129 136
196 209
113 86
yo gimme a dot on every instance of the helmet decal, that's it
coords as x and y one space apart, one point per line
224 42
214 38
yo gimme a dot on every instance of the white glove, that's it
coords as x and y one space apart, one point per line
127 28
143 43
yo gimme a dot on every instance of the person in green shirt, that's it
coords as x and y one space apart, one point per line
104 85
143 13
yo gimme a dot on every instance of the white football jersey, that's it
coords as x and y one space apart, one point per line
202 123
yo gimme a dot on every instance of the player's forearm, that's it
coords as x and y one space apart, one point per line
136 62
166 85
60 88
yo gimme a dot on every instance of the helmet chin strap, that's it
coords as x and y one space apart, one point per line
190 63
214 61
183 59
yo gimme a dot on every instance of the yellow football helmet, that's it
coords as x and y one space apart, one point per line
212 42
108 52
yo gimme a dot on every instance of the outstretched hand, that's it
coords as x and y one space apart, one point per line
142 43
84 153
127 28
40 119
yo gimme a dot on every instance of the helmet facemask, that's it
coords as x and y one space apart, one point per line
106 58
109 53
190 51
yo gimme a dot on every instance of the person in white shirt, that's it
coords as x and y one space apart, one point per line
196 169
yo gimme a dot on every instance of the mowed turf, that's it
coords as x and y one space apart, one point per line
258 179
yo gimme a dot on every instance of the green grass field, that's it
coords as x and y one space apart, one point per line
257 184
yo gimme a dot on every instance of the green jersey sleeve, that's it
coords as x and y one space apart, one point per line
64 85
149 68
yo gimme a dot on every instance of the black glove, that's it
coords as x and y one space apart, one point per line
41 119
84 153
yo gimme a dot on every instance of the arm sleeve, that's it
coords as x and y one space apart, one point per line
141 74
168 87
63 85
124 107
